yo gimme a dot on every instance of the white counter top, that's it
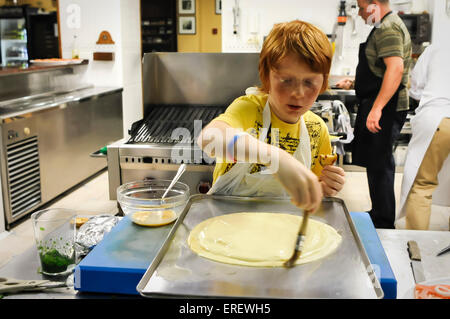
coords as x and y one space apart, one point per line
430 243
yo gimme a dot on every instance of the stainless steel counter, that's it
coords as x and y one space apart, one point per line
16 107
48 135
51 121
41 80
25 266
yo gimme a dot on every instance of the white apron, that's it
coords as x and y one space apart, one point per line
239 182
430 86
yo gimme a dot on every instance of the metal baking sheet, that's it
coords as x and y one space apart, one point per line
178 271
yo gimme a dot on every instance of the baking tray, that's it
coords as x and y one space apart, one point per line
177 271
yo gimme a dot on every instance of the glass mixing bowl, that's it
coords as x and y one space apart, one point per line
143 200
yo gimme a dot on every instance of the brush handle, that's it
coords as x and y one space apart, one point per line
299 243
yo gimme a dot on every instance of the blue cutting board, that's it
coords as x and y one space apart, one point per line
118 262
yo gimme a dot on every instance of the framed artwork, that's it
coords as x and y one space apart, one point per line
187 25
186 6
218 6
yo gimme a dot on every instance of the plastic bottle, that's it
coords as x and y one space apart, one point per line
342 17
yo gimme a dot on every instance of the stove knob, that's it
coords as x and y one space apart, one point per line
203 187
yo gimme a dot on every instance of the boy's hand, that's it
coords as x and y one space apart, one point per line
299 182
332 180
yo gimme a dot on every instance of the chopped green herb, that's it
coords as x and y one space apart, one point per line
54 262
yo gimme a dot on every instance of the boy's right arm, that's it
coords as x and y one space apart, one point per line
301 183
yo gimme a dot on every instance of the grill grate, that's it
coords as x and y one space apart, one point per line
23 175
164 119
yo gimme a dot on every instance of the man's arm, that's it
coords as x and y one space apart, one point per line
391 81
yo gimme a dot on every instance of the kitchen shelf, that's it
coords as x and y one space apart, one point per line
158 21
6 71
16 59
148 24
153 44
14 40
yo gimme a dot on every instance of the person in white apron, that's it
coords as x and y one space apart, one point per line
427 164
291 86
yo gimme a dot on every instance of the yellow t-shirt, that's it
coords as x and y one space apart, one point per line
246 113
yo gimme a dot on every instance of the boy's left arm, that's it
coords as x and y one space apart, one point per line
331 177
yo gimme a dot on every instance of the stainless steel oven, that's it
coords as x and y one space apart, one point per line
183 92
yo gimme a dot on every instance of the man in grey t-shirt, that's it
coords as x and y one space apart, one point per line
381 88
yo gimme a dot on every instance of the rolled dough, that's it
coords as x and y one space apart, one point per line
260 239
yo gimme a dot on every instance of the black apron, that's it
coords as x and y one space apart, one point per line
369 149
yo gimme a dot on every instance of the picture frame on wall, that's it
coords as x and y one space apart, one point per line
186 6
218 6
186 25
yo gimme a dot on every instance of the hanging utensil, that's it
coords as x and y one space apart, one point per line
180 171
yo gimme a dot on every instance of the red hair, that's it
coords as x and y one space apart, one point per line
301 39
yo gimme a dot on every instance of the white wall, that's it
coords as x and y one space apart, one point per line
131 62
121 18
441 22
258 16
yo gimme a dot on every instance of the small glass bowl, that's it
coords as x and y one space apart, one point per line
146 196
